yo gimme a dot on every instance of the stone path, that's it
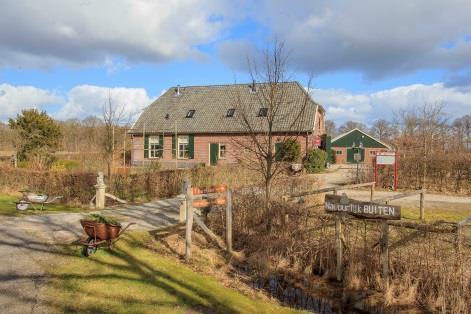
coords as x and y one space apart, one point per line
25 246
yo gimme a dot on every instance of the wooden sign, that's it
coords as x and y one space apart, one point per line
212 189
203 203
343 204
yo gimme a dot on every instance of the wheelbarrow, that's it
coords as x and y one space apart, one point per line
100 234
31 198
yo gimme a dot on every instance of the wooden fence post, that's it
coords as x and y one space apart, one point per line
189 221
229 220
372 192
339 245
385 254
422 196
458 249
182 216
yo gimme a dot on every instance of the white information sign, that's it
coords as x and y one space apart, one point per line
385 159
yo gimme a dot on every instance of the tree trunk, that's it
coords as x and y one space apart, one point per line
268 213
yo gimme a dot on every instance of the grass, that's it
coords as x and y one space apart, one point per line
8 207
134 279
450 213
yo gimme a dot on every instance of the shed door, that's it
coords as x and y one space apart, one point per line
213 153
352 151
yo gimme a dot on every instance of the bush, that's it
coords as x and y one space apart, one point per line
315 160
291 150
64 165
153 166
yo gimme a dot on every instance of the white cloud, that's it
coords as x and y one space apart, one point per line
13 99
80 32
88 100
342 105
375 38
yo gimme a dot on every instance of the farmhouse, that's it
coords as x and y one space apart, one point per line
346 145
195 125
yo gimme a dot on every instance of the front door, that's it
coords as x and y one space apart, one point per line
213 153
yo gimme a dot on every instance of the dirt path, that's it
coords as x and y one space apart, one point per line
341 174
26 245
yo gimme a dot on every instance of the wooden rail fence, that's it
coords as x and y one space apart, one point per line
201 198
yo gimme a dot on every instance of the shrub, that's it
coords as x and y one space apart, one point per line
64 165
153 166
291 150
315 161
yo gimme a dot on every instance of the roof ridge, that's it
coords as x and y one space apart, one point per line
231 84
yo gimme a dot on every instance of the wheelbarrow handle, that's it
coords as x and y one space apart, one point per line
124 229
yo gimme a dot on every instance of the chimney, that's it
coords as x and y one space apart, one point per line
177 90
253 89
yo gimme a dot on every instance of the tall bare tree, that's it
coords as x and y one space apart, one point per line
113 116
330 128
350 125
263 129
383 130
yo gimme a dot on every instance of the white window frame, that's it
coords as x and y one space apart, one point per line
180 141
338 152
225 151
154 151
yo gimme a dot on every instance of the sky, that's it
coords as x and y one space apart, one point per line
369 58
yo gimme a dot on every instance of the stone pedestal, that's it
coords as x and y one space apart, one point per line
100 191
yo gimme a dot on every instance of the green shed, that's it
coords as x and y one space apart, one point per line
359 144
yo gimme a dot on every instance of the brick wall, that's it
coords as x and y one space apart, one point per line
369 154
201 149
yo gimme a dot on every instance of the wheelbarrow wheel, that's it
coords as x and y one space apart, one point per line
90 248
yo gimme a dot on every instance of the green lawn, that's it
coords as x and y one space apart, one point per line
453 213
8 207
134 279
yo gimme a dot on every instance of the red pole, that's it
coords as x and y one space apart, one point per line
396 157
376 169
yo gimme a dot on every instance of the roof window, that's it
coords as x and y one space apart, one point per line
263 112
167 116
230 113
190 113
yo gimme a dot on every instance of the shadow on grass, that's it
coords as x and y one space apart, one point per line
130 278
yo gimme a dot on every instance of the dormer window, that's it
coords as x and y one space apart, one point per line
263 112
230 113
190 113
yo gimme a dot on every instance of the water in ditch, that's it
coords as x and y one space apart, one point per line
315 303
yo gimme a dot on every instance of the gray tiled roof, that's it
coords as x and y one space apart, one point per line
212 102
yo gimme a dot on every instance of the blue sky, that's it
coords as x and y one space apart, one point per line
369 58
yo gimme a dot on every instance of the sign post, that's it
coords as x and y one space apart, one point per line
341 204
387 159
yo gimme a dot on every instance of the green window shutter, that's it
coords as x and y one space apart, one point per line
174 146
191 146
146 146
278 151
161 143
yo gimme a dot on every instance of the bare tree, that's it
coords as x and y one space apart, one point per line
113 116
383 130
330 128
261 120
462 129
424 129
350 125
